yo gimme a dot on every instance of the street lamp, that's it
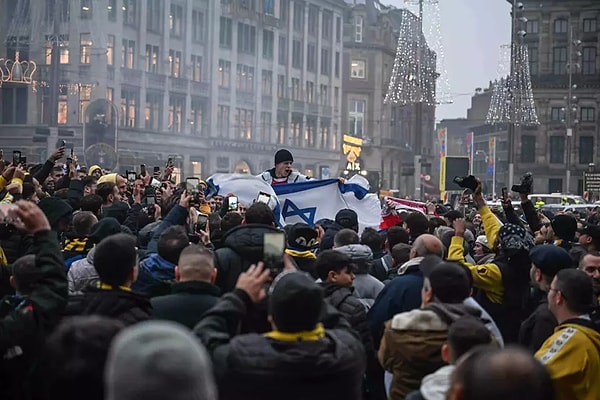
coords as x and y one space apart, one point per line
487 158
570 112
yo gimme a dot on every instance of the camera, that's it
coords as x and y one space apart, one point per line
467 182
526 185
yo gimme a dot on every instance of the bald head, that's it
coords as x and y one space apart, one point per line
195 264
426 245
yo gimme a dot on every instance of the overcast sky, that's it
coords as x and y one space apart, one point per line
472 32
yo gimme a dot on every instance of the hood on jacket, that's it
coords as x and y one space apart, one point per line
361 256
112 303
449 313
55 209
90 256
158 267
247 240
104 228
415 262
434 386
434 317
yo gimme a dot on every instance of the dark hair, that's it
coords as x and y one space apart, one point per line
345 237
56 168
171 242
75 356
105 189
465 334
374 240
331 260
397 234
401 253
25 274
214 219
417 224
577 288
231 220
259 213
434 223
453 215
92 203
115 258
88 180
62 193
83 222
449 283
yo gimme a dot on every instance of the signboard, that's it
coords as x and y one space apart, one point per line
451 167
352 148
591 182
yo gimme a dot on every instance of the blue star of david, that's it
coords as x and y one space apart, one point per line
306 214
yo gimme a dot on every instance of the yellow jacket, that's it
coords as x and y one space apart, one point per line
572 356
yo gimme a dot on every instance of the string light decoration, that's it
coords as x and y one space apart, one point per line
419 74
512 94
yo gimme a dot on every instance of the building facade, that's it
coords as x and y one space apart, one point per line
396 150
563 40
217 85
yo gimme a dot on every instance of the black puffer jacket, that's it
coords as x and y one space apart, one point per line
242 246
17 245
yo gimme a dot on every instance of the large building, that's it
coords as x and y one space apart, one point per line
219 85
563 40
396 149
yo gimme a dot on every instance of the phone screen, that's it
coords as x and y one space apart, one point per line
169 161
191 185
232 203
23 160
201 223
273 248
16 157
263 197
131 176
150 200
143 169
156 170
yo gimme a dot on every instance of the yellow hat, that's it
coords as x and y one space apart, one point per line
205 209
93 168
108 178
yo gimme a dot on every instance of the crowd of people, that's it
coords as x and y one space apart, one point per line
133 287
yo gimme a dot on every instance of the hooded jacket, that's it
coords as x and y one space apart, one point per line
82 274
242 246
434 386
155 276
412 342
293 177
367 286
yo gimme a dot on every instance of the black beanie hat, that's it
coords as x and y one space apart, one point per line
295 302
564 226
55 209
106 227
302 237
282 156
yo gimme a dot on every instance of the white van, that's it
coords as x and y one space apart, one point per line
557 198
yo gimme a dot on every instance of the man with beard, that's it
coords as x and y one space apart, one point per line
590 264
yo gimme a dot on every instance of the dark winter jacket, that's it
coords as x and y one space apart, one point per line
187 302
123 305
176 216
155 276
268 367
538 327
127 216
242 247
327 239
17 245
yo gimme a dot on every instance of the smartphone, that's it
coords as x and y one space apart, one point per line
72 152
156 171
131 176
232 203
143 169
263 197
273 248
1 154
151 200
16 157
69 161
192 185
169 161
505 193
201 224
23 160
61 143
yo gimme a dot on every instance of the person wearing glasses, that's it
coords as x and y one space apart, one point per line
572 353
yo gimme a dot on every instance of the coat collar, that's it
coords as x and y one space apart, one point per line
196 287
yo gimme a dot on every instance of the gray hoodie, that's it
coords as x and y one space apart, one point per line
82 273
366 286
434 386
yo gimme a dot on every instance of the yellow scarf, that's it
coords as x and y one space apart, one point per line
301 254
304 336
106 286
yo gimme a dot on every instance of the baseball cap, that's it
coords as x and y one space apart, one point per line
550 259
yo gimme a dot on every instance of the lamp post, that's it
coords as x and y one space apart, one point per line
570 113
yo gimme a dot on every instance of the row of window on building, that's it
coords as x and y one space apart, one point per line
557 147
585 114
561 26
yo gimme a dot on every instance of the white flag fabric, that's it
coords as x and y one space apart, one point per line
245 187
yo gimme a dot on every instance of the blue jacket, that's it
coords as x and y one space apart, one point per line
176 216
401 294
155 275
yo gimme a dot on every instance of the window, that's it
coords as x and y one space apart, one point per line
323 95
357 69
338 29
356 118
311 58
267 82
112 10
197 26
296 129
196 116
336 98
282 126
298 16
561 25
358 29
327 25
265 125
85 48
175 63
534 60
313 20
242 121
110 50
557 149
130 12
324 133
269 7
153 16
176 20
310 92
85 95
281 86
556 114
152 112
283 55
325 62
223 120
283 12
196 68
64 54
245 78
297 54
589 61
63 105
310 132
152 57
590 25
86 9
225 33
224 73
586 149
555 185
246 38
268 43
176 113
528 148
127 54
588 114
110 94
296 89
532 27
337 64
559 60
128 114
